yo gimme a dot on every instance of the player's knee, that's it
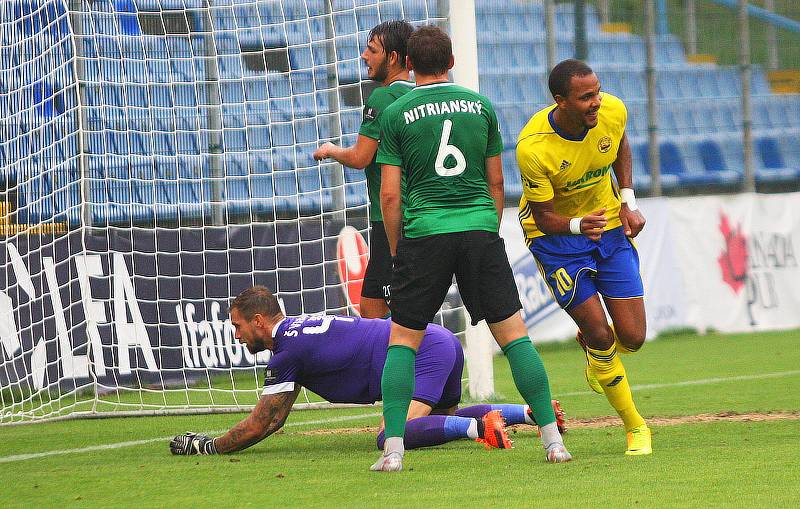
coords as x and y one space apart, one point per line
632 341
600 337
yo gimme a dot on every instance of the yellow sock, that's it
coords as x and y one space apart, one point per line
620 347
610 372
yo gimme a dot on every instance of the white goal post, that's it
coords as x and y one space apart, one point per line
155 161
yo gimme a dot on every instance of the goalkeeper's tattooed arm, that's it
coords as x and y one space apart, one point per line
266 418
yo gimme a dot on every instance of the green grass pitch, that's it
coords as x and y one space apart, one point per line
321 458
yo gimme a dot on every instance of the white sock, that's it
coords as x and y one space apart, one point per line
528 418
550 435
393 444
472 431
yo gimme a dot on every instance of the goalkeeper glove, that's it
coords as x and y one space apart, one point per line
192 443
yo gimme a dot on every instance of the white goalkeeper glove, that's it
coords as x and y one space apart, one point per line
192 443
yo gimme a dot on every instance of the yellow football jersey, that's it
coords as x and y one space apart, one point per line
575 174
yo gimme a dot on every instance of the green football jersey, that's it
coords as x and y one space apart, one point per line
378 100
441 134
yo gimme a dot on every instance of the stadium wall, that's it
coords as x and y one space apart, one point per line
727 263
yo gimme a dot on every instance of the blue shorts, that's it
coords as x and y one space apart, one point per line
576 268
440 363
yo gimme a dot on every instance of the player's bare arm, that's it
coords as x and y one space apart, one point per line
494 177
631 217
267 417
552 223
390 204
357 156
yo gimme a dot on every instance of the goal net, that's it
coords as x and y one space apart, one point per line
155 160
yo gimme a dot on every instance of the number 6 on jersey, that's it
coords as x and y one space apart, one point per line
449 150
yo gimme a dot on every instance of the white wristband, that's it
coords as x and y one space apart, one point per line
575 225
627 197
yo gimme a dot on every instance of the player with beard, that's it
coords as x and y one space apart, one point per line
341 358
580 224
385 57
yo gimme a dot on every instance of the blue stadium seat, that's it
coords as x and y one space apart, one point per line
187 143
282 134
711 157
260 162
221 18
355 195
278 85
273 36
769 154
305 131
415 10
758 81
236 165
270 13
258 137
776 113
286 191
300 57
391 10
255 89
345 22
511 178
770 163
671 160
790 148
302 82
348 71
350 121
367 17
261 186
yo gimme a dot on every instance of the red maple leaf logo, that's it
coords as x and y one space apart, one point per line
733 260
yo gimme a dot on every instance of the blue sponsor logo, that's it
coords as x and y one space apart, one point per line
534 294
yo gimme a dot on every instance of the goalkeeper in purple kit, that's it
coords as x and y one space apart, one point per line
341 359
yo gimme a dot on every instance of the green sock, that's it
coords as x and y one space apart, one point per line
397 386
530 378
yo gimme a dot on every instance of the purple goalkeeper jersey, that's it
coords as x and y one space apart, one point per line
338 357
341 358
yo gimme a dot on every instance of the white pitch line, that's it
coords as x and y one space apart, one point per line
703 381
118 445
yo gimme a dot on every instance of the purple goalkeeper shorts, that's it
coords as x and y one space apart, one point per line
440 363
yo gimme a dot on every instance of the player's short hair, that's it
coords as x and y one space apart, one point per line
562 74
393 35
430 50
257 300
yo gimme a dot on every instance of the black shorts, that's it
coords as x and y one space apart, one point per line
378 277
424 269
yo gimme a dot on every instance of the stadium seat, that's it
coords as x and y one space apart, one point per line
671 160
300 57
260 162
769 154
770 163
356 195
345 22
790 148
367 17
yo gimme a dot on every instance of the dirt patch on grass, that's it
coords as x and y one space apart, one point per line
340 431
604 422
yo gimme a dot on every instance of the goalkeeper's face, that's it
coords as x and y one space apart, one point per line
377 62
255 334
